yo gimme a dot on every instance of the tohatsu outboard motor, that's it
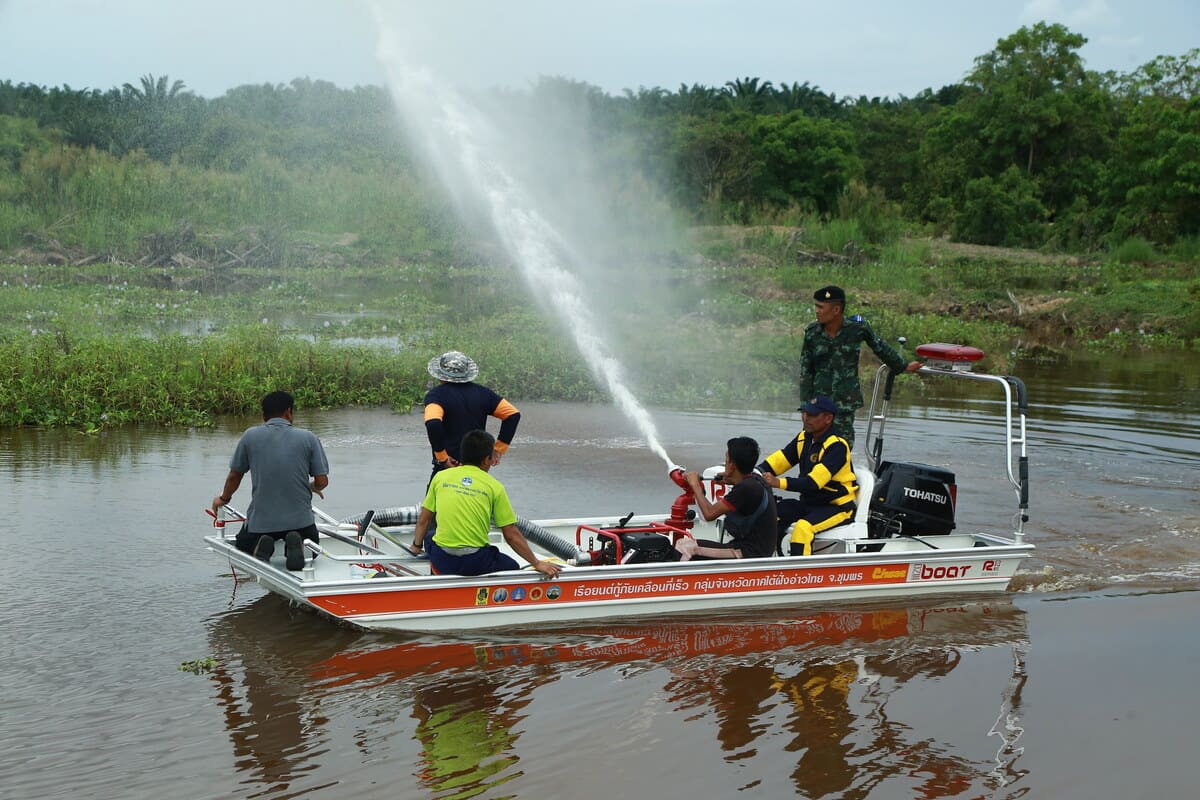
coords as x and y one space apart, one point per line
912 500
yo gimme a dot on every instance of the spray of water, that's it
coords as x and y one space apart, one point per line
467 151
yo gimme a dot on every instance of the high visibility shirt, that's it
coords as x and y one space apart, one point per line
467 500
826 475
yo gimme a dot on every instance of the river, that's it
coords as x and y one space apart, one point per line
1075 684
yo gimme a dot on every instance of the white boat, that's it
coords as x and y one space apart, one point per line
901 542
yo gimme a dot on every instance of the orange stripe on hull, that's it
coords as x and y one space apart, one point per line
565 590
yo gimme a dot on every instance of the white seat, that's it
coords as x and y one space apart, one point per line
834 540
866 485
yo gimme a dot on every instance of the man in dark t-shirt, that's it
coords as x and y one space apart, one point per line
458 405
748 509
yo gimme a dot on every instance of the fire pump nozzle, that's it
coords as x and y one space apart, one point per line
676 473
681 516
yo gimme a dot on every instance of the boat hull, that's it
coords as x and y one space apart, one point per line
584 594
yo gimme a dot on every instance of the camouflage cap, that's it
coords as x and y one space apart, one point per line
829 294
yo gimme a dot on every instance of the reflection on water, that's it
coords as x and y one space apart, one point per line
467 730
813 690
273 716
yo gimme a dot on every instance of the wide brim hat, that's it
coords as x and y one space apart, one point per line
453 367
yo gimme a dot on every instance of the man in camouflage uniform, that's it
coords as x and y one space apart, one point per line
829 357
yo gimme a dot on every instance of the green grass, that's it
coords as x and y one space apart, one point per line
94 382
114 343
1133 251
99 204
1186 248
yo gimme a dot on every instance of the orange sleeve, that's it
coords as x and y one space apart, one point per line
504 410
434 411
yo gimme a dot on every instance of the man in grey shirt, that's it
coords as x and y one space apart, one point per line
283 458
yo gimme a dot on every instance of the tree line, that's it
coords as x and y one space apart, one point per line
1029 149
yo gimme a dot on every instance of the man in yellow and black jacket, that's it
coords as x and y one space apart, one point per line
826 484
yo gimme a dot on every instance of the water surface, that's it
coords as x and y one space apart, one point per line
1032 694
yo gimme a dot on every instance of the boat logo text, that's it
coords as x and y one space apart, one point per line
927 496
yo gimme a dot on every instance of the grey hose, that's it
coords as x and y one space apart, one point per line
556 545
389 517
407 515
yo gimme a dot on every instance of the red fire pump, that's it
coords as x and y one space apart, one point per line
652 542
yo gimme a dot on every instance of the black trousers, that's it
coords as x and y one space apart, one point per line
246 540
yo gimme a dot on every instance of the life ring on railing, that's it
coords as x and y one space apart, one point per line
952 357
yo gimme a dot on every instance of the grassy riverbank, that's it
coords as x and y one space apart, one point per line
715 319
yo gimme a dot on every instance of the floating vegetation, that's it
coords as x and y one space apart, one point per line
200 666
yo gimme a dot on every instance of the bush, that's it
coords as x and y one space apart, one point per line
834 235
1134 250
878 218
1003 211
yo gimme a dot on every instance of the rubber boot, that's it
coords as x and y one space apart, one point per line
264 548
293 550
798 549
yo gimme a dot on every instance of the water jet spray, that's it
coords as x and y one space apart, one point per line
467 151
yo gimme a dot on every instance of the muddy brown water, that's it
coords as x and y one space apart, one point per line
1079 683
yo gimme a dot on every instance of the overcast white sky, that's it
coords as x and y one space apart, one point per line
872 47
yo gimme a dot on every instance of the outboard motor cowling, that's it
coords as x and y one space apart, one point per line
912 500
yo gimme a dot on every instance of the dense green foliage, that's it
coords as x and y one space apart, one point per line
107 344
1030 149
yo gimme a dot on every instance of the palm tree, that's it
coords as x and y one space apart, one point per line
155 117
651 102
697 99
155 92
747 94
809 99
